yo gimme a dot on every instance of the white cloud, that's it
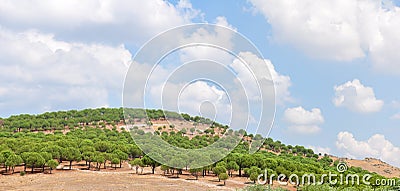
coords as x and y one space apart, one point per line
181 94
281 82
178 88
194 99
355 96
339 30
41 73
395 116
303 121
220 38
376 146
322 150
110 20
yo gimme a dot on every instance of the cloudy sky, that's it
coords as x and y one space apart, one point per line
335 63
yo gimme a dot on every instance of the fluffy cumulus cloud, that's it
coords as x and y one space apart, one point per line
282 82
322 150
357 97
41 73
174 77
217 37
206 100
173 87
338 29
376 146
71 54
302 121
167 93
93 20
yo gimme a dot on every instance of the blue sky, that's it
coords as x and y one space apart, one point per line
343 50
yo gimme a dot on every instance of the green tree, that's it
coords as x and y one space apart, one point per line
13 160
137 163
88 156
195 172
240 161
231 166
121 156
177 163
33 160
253 173
164 168
52 164
219 170
152 163
114 162
54 150
102 146
4 156
99 159
224 177
72 154
192 130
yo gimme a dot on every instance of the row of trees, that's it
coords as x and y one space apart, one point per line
62 119
39 150
101 117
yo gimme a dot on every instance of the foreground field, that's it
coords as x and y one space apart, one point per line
116 179
80 180
90 180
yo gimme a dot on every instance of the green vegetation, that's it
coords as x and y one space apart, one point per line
224 177
42 142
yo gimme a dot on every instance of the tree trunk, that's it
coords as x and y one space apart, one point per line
50 169
70 164
224 182
153 167
32 168
6 168
120 164
24 167
240 172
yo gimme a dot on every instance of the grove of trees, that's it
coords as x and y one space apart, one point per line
41 142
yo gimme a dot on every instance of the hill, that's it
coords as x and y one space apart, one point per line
373 165
98 140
